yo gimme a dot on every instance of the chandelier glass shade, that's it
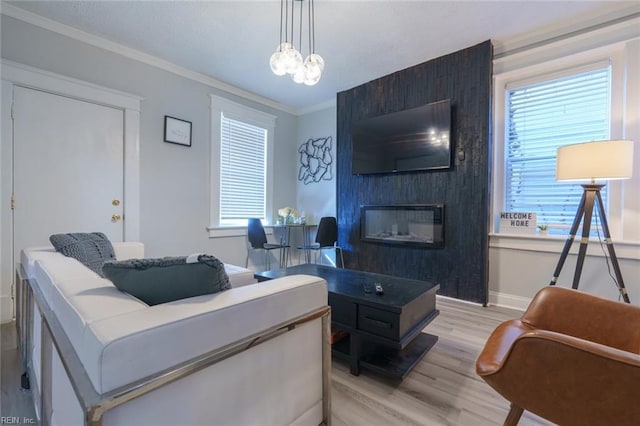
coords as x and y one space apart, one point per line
287 59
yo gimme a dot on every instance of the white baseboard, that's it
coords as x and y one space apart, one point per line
6 309
506 300
455 299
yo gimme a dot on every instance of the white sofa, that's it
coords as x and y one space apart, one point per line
194 361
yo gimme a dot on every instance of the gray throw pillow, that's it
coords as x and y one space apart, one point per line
91 249
156 281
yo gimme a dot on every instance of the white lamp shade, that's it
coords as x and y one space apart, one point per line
604 160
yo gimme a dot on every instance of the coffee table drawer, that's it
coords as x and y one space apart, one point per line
377 321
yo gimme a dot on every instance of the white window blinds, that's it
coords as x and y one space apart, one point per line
242 171
541 117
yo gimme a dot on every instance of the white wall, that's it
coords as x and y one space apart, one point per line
174 180
317 199
520 266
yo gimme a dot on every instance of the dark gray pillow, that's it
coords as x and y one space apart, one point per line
91 249
156 281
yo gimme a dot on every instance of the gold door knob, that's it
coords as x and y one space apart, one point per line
116 202
115 217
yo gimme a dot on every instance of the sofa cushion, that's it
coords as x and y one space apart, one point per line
239 276
91 249
128 250
156 281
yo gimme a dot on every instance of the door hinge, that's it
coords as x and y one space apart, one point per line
13 202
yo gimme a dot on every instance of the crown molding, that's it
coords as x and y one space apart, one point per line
37 78
620 18
102 43
588 41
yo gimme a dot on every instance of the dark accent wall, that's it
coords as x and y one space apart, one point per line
461 268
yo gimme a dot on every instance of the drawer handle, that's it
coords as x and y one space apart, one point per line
378 323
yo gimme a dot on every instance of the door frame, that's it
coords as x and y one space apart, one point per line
16 74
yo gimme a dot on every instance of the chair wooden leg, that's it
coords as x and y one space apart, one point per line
514 415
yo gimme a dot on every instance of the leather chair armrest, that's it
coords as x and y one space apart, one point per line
498 345
585 316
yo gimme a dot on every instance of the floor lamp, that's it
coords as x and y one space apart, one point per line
603 160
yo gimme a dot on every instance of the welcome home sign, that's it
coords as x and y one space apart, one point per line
518 222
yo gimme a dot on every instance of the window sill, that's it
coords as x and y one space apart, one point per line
232 231
555 244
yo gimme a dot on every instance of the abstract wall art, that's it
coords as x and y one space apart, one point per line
315 160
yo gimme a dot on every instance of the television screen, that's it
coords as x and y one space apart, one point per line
409 140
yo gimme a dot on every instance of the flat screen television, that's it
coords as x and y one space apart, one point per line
409 140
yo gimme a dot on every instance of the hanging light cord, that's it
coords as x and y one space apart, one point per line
292 18
312 24
286 21
309 26
281 10
300 29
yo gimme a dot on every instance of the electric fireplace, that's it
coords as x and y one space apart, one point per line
405 224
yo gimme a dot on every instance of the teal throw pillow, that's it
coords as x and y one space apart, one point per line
156 281
91 249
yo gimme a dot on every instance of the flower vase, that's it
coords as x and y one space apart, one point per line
290 219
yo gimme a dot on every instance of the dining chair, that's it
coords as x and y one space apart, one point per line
258 241
326 238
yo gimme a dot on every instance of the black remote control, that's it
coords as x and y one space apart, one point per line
379 289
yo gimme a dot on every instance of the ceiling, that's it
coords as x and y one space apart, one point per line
231 41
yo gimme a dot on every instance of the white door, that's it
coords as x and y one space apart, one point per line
68 168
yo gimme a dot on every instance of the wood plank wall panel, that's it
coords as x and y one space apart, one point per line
461 267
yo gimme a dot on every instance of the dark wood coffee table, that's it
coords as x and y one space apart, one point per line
384 331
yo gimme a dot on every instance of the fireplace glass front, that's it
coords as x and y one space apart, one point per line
414 224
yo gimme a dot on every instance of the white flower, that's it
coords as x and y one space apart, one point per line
284 211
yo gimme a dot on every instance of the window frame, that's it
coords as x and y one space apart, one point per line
243 113
514 162
548 70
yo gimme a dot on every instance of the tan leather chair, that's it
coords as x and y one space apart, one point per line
573 359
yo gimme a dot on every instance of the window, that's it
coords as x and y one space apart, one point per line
540 116
243 151
241 163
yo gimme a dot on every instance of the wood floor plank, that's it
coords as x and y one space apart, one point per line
443 389
13 401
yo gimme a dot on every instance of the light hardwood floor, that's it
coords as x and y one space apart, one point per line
443 389
13 401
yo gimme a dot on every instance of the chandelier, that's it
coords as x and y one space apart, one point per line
287 59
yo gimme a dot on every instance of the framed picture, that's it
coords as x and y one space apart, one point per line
177 131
